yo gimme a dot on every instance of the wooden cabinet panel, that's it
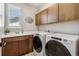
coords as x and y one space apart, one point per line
76 11
61 12
65 10
53 13
16 46
25 45
10 49
9 39
30 44
37 19
43 16
68 11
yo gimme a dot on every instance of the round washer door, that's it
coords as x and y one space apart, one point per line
37 44
55 48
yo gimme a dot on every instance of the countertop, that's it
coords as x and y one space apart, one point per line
13 34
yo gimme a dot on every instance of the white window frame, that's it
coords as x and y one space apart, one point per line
19 26
2 16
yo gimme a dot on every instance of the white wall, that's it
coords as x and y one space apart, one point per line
46 5
26 11
71 27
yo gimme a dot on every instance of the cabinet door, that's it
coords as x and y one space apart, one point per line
53 13
64 10
30 43
44 16
24 45
68 11
76 11
37 19
11 47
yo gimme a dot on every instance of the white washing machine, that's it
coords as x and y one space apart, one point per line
39 44
62 45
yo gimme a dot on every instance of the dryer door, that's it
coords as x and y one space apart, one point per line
55 48
37 44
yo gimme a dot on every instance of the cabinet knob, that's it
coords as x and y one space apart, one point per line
2 44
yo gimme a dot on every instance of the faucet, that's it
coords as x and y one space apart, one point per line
48 31
22 31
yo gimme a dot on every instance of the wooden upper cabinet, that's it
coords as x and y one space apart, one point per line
49 15
58 13
37 19
43 17
53 13
68 11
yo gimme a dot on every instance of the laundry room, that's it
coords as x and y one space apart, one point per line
39 29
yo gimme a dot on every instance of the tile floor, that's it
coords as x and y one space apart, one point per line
30 54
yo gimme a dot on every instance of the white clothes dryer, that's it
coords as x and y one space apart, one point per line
62 45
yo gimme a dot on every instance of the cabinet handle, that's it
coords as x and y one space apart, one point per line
4 44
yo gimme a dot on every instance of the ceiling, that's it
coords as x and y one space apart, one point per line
37 5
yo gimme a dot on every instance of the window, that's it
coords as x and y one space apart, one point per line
1 15
14 16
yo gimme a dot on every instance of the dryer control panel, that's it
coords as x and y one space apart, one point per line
63 40
56 38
